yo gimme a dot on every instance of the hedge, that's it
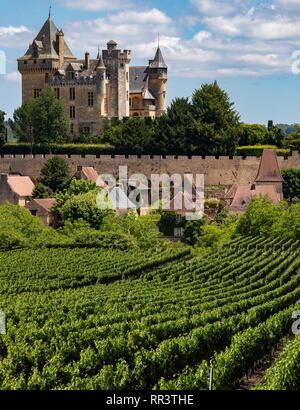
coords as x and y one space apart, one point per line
257 150
14 148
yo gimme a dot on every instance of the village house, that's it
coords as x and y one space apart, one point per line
42 209
268 182
15 189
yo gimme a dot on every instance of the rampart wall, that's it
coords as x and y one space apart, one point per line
217 170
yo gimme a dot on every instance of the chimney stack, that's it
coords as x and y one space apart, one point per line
60 39
87 60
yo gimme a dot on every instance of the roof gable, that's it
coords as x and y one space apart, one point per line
268 168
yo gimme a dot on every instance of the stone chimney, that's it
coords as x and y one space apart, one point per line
87 60
60 39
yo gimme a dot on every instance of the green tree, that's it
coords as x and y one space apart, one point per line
40 192
50 123
260 216
3 129
252 134
130 137
22 124
193 231
291 183
76 187
55 173
216 130
293 140
18 228
84 206
275 135
171 131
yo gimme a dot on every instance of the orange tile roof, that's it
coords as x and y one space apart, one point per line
268 168
244 195
22 186
45 203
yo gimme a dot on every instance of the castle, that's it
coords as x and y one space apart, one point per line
93 89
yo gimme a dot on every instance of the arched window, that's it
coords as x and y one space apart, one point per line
136 114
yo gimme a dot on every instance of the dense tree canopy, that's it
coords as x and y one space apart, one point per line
22 124
293 140
55 173
42 120
208 125
291 184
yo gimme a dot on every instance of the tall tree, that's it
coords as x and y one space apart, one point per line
50 123
55 173
275 135
216 121
252 134
3 129
22 123
291 183
293 140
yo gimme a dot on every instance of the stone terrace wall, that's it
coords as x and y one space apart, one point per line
221 171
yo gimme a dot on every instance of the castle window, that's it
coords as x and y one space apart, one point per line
90 99
72 112
25 62
121 65
127 95
127 76
47 78
36 92
72 128
86 130
72 94
135 102
56 92
34 62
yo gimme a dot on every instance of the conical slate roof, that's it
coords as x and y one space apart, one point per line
46 43
100 63
158 61
268 168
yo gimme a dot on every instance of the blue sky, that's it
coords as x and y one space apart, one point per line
246 45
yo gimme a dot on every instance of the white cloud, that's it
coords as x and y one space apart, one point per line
14 77
11 31
94 5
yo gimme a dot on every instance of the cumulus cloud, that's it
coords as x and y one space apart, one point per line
94 5
11 36
14 77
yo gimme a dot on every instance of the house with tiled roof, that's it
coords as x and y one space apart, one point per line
42 209
267 182
15 189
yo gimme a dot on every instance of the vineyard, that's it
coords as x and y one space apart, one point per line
100 319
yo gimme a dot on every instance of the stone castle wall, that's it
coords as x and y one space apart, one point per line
222 171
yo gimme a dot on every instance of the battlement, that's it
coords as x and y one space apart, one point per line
222 170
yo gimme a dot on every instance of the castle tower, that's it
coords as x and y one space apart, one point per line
44 57
117 73
101 84
158 77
